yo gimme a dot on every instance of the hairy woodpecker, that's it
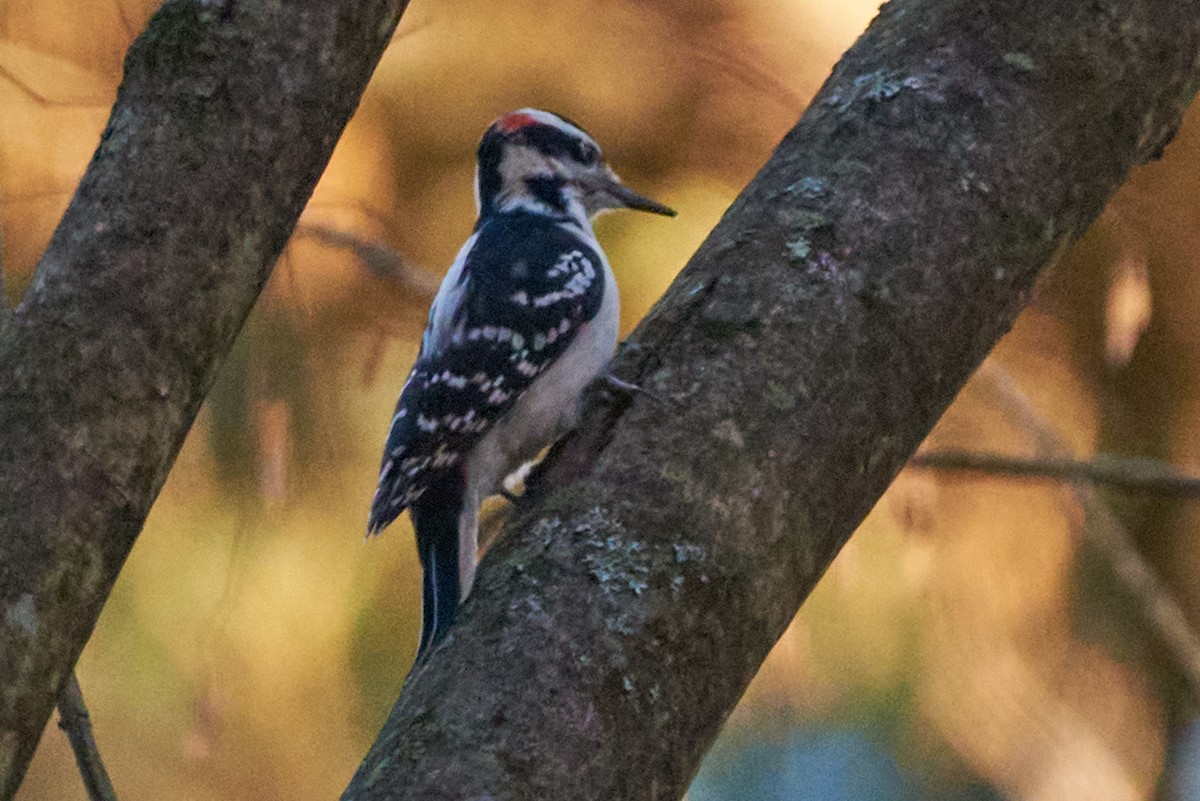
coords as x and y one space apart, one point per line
525 318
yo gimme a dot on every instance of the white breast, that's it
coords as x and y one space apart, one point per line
439 333
543 413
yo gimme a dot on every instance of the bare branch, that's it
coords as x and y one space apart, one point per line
1127 473
1158 607
381 260
75 721
39 98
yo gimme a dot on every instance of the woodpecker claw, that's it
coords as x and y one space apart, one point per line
627 389
621 386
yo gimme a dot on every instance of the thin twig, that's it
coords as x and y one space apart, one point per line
1135 474
1157 606
74 720
45 100
381 260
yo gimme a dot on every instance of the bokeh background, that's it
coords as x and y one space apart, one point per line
979 638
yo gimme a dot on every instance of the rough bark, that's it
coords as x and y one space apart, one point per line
226 118
5 307
792 368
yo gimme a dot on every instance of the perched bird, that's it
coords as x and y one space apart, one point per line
525 318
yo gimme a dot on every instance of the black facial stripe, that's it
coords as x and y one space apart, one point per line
491 151
551 141
549 191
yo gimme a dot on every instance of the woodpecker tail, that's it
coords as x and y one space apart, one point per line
436 522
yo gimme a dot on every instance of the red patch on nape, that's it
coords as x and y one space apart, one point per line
514 121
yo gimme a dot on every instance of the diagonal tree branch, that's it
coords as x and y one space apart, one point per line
226 118
73 714
802 355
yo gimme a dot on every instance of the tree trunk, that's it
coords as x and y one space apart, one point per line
792 368
226 118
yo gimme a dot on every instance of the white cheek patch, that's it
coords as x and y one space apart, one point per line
520 162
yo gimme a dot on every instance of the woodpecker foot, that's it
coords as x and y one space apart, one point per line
625 389
617 385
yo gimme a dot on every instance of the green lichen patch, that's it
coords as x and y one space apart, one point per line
881 84
805 225
1021 61
675 473
689 552
802 219
970 180
809 187
727 431
22 615
617 564
779 398
799 248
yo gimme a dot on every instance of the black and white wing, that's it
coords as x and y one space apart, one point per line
523 289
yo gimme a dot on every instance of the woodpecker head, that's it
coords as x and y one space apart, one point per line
540 161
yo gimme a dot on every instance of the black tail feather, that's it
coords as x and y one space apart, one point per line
435 521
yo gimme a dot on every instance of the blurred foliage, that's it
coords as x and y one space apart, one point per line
966 644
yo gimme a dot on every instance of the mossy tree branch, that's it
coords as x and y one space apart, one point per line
792 369
226 117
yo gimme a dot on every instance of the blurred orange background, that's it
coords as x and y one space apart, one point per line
972 630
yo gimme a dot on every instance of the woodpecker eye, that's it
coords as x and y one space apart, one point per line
588 154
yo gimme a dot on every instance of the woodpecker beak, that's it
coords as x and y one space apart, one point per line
632 200
622 197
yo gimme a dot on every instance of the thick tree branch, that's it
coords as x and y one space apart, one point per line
5 306
226 118
798 360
